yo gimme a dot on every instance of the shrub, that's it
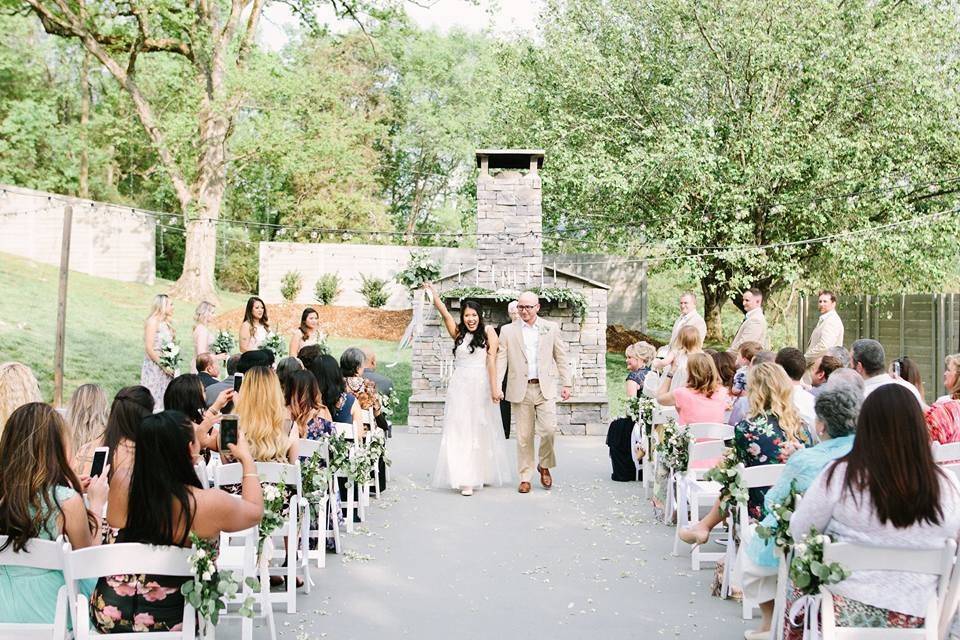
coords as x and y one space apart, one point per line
374 291
290 285
327 288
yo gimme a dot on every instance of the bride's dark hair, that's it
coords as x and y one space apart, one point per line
479 340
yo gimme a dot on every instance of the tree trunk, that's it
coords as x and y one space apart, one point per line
84 179
714 296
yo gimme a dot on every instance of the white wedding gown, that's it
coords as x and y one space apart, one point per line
473 450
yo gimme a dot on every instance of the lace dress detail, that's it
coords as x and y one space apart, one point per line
151 375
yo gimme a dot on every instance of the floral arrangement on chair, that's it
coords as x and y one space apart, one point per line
209 589
389 402
273 502
315 477
782 512
808 573
640 410
223 342
674 448
378 448
727 474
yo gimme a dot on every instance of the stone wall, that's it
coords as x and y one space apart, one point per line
107 241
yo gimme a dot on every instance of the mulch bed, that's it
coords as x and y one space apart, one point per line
344 322
619 338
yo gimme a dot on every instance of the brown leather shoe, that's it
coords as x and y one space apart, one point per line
524 487
545 478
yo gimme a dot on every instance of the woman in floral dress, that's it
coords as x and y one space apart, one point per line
157 331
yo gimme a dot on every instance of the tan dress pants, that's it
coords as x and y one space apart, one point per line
535 416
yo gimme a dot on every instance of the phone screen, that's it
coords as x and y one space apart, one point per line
228 432
99 461
237 381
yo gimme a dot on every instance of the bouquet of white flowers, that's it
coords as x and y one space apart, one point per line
274 496
275 343
640 410
420 270
224 342
170 357
727 474
674 448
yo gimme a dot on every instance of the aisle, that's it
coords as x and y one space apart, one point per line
584 560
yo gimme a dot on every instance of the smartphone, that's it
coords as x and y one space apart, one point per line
99 461
237 381
229 427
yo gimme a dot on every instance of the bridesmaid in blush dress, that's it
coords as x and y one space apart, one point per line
157 331
255 326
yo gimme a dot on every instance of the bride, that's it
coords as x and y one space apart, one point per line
472 450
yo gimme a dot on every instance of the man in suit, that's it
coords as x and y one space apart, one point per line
207 369
829 330
505 404
384 384
238 363
537 359
754 325
688 316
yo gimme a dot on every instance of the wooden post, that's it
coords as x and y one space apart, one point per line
62 307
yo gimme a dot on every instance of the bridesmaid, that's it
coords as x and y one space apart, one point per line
202 336
157 331
307 333
255 325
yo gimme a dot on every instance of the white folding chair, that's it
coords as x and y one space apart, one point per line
352 501
854 557
238 553
202 473
945 452
328 520
38 554
125 558
759 477
952 467
662 415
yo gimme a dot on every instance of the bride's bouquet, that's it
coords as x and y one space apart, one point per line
170 357
420 270
224 342
274 342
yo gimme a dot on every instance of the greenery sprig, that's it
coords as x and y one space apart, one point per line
807 569
210 589
727 474
420 270
549 294
640 410
674 448
314 476
274 499
782 512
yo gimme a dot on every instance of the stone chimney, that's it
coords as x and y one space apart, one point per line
509 218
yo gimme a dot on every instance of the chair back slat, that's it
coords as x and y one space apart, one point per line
38 554
344 429
128 558
945 452
710 431
279 473
857 557
308 447
224 474
765 475
705 451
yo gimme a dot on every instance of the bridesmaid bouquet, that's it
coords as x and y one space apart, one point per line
170 357
210 588
224 342
274 342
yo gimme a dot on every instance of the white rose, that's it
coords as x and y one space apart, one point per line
201 553
800 548
820 539
206 576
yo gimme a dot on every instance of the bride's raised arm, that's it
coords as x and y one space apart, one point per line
448 320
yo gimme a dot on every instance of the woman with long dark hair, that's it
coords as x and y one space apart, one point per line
473 447
305 407
307 333
887 492
342 406
187 395
160 501
130 406
255 325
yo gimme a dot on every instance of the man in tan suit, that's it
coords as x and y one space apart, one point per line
754 325
688 316
829 330
537 360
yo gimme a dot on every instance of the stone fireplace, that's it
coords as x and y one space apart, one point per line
509 259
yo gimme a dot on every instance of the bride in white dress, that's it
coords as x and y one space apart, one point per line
473 450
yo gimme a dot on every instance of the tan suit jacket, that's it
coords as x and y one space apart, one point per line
828 333
752 329
552 367
693 319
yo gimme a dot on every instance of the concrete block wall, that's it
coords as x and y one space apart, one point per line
107 241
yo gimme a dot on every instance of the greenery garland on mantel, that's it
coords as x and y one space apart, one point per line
550 294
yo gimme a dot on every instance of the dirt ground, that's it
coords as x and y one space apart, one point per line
345 322
619 338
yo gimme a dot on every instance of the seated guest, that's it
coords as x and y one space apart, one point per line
887 492
40 497
745 355
384 384
333 390
726 364
741 405
18 386
770 433
703 399
906 369
639 356
285 367
305 407
308 355
841 354
620 432
260 408
86 416
837 408
820 373
130 406
160 501
365 390
943 417
213 391
208 368
868 360
185 394
794 363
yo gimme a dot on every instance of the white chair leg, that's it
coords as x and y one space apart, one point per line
682 515
350 506
81 617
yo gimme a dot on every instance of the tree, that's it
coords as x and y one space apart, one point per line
725 135
212 42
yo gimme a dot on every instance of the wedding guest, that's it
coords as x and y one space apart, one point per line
794 364
333 391
829 330
639 357
840 353
130 406
821 372
187 395
384 384
620 432
86 417
868 360
754 325
158 331
255 358
770 433
285 368
364 390
887 492
745 355
741 406
943 416
906 369
726 364
41 497
255 325
261 411
308 355
214 390
837 408
18 386
688 318
202 336
308 333
305 406
160 501
208 369
703 399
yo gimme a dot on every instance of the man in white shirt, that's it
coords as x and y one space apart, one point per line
754 325
688 316
829 330
869 360
793 362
